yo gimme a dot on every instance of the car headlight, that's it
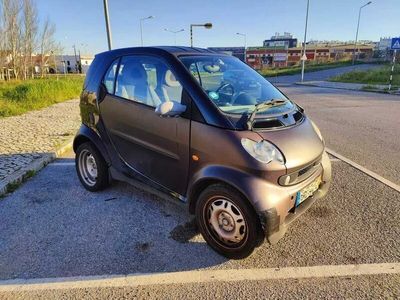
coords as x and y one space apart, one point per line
263 151
317 131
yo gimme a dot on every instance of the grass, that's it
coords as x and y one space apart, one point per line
18 97
310 67
370 77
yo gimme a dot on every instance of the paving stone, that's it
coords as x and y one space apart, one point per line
28 137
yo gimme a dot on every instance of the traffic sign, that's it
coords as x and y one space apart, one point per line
395 45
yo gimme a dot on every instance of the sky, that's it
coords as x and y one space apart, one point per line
81 22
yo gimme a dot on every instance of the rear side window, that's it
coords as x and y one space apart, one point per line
109 78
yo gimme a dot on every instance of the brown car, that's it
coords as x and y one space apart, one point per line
208 130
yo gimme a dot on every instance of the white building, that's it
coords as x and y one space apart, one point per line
73 64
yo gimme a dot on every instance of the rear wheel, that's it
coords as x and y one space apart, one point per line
91 167
227 221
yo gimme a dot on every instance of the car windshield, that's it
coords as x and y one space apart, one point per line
233 86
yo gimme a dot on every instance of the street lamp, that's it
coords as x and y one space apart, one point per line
245 43
141 28
206 26
174 32
358 25
304 56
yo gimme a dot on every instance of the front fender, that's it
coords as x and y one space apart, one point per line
250 186
86 134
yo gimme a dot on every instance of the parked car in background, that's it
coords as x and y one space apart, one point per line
208 130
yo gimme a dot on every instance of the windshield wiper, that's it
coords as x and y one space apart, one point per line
261 106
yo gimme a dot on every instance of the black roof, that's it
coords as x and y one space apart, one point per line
174 50
160 50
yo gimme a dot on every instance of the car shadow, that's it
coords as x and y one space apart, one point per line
52 227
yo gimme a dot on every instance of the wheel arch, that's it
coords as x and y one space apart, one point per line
86 134
218 175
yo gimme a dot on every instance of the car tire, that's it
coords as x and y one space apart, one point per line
228 222
91 168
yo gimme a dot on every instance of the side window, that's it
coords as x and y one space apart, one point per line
147 80
109 78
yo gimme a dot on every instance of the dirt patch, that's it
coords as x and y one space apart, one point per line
143 247
321 211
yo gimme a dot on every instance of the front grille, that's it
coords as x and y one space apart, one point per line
272 123
279 121
300 175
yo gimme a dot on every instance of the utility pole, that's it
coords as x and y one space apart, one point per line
76 58
109 37
358 26
304 57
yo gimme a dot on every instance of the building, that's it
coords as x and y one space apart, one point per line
264 57
73 64
234 51
286 40
267 57
384 44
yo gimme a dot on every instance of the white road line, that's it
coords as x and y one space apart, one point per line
335 160
365 170
203 276
55 164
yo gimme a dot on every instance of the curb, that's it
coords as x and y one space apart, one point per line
347 89
23 174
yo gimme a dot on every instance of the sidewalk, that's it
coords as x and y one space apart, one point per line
349 86
30 141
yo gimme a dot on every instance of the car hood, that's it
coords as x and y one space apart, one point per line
299 144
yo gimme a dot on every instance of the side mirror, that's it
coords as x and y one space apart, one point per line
170 109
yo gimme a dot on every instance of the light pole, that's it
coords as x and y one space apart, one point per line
141 28
358 26
304 56
76 59
109 38
206 26
245 43
174 32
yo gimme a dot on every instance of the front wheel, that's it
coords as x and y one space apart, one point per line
91 167
227 221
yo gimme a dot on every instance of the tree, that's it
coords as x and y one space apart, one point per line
12 32
47 44
30 25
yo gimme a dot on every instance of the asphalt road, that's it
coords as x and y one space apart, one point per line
362 126
320 75
51 227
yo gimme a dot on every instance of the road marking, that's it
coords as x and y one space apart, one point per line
365 170
335 160
203 276
55 164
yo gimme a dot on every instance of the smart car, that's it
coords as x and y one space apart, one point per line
245 159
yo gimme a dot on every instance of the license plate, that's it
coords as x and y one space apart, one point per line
308 191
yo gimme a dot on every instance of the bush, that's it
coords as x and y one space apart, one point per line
17 97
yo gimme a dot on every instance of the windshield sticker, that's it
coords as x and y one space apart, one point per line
213 95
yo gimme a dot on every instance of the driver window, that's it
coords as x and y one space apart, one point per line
147 80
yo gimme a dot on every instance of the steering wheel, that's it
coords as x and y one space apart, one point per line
224 86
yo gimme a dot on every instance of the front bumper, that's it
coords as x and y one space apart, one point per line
280 209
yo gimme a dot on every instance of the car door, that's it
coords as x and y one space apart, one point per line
156 147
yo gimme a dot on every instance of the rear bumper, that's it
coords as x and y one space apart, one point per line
276 219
